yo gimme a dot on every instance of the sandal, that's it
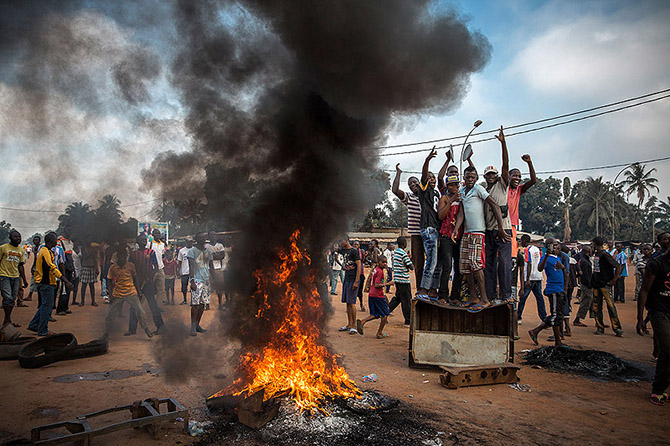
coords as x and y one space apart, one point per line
476 308
345 328
658 400
508 300
17 325
533 337
382 336
359 326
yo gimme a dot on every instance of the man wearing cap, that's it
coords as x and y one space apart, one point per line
498 250
447 211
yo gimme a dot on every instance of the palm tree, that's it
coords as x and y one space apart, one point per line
192 211
663 214
567 231
109 207
639 181
76 220
593 202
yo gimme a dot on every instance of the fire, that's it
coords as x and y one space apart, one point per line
294 363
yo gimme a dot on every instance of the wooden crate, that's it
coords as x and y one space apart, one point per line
442 335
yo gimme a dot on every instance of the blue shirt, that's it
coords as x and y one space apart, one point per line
201 261
555 277
401 264
473 208
622 259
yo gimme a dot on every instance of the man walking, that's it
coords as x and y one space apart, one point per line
46 274
199 264
12 258
145 270
352 271
655 295
336 268
620 285
37 241
157 245
606 271
532 281
124 286
183 266
584 273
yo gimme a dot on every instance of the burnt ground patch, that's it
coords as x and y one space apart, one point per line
590 363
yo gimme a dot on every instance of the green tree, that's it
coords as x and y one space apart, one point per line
77 221
540 209
592 204
663 215
639 181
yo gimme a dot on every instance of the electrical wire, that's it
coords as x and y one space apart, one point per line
570 121
60 212
582 169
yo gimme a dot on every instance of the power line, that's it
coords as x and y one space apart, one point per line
60 212
536 128
582 169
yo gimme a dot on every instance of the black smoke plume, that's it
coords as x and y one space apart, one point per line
285 101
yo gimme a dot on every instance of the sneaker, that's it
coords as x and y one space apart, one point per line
599 332
183 303
51 319
129 333
199 329
619 333
61 313
68 311
518 321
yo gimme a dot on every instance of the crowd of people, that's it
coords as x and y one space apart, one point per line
466 252
63 269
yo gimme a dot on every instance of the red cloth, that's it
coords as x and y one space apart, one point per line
513 197
449 221
378 276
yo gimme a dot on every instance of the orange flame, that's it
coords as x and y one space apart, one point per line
293 363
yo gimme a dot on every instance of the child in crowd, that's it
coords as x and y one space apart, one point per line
554 290
170 265
377 302
402 265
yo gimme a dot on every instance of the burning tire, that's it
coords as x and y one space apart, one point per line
47 350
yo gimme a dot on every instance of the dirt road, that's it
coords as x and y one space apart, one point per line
560 409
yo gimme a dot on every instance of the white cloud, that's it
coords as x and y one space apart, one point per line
597 56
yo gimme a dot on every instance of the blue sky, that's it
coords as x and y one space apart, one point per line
548 58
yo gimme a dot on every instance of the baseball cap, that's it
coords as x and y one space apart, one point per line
452 179
189 238
490 169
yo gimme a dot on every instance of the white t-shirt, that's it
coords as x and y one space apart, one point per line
532 261
159 249
218 247
337 257
389 258
181 257
226 258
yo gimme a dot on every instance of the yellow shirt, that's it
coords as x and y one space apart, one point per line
123 279
10 259
46 271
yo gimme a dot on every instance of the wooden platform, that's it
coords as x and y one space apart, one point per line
444 335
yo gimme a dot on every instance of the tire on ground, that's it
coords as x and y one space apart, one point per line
93 348
47 350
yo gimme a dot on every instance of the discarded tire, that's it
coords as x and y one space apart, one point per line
10 350
93 348
47 350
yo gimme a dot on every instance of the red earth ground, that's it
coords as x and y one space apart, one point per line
560 409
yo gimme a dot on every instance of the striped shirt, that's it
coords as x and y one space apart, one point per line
413 213
401 264
143 260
